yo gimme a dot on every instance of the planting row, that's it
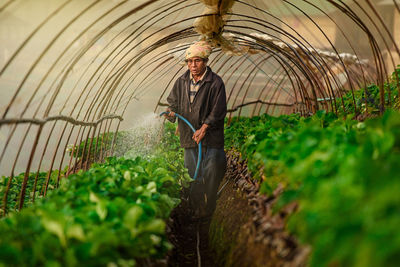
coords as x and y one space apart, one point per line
36 183
368 100
114 213
342 173
143 142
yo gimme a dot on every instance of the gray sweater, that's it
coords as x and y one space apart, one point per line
209 106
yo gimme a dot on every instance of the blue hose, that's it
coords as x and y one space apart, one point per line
194 130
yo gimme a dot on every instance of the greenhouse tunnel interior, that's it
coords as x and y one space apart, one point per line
85 82
71 70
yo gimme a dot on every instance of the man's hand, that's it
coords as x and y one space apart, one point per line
170 114
200 133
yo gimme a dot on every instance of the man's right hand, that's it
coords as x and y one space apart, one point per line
170 114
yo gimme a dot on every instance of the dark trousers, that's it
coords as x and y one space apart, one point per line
203 191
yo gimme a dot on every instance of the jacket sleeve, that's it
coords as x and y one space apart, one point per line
218 109
173 100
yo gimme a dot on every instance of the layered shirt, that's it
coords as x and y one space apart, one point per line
206 105
194 86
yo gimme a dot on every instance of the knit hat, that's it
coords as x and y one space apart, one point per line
200 49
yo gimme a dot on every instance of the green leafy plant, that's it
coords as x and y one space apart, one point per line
97 145
344 175
16 184
114 213
369 98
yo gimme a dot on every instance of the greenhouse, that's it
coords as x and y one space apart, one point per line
199 133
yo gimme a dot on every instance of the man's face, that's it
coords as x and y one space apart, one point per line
196 65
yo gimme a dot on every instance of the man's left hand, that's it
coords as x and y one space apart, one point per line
200 133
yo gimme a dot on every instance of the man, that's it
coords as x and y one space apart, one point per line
199 96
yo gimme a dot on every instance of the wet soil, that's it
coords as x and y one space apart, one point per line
245 231
190 238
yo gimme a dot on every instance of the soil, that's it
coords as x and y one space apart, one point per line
190 238
245 231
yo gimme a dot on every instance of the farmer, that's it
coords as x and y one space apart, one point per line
199 96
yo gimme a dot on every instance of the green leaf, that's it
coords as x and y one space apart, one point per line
93 197
76 231
101 210
155 226
131 219
56 228
152 187
127 175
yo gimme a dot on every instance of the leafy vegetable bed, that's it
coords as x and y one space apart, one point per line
99 145
344 175
15 188
112 214
367 99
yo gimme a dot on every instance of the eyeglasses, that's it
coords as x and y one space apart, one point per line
195 61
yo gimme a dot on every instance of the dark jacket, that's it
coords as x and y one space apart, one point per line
209 106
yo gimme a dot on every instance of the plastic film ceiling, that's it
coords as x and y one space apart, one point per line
72 69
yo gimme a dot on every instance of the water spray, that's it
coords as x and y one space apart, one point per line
194 130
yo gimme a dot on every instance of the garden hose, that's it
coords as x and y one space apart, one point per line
194 130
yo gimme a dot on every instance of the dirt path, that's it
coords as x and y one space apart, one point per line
190 238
